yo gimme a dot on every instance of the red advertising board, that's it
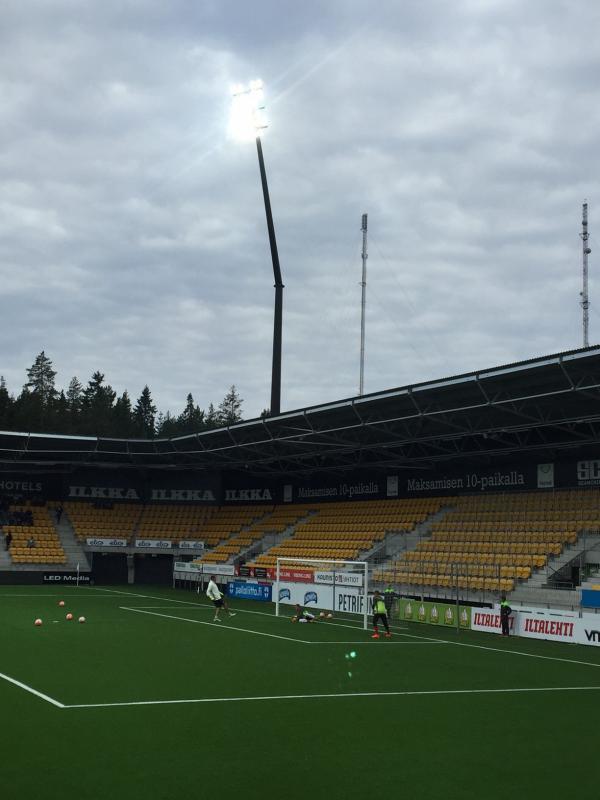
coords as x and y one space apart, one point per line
293 574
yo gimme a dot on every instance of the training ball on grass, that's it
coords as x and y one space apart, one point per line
322 615
81 619
38 622
61 603
329 616
294 619
69 616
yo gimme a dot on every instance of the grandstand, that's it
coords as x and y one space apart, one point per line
348 530
439 485
492 542
34 539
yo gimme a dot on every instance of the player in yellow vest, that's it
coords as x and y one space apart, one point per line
380 615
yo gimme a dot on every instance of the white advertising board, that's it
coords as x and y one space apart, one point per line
218 569
349 600
488 620
555 625
106 542
154 544
187 566
341 578
558 626
587 630
188 544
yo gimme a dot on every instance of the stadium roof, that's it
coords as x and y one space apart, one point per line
536 407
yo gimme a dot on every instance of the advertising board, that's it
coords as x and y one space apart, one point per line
348 600
104 542
434 613
187 566
488 621
154 544
250 591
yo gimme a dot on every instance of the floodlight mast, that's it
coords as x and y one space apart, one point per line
278 313
363 306
255 122
585 299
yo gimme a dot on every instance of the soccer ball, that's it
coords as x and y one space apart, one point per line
38 622
322 615
294 619
61 603
81 619
69 616
330 616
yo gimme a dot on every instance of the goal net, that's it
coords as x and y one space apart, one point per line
322 585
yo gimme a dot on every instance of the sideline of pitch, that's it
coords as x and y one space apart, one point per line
346 695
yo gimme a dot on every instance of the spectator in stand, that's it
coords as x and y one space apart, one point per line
31 542
8 540
59 513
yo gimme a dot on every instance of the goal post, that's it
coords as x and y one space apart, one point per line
324 584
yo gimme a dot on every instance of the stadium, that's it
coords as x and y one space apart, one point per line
443 496
368 585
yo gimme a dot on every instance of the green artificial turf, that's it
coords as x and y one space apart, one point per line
334 713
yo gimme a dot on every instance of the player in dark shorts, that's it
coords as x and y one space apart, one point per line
380 616
214 594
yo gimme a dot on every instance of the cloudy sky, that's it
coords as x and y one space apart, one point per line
132 229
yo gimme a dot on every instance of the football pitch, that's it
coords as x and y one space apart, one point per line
152 699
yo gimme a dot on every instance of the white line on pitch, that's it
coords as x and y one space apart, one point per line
408 693
355 627
31 690
374 644
521 653
214 625
143 610
238 610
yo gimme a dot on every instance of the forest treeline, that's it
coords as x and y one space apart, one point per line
95 409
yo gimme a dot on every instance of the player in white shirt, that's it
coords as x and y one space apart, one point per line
214 594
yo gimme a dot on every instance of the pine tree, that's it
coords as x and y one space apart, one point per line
122 417
34 405
167 426
211 419
191 420
145 414
6 406
59 419
230 408
97 406
74 397
41 379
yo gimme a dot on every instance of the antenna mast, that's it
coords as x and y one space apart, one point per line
585 302
363 304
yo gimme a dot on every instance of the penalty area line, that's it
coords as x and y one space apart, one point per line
31 690
217 625
204 605
408 693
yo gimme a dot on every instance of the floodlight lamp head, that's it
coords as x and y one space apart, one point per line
247 119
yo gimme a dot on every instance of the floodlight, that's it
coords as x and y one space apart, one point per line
247 117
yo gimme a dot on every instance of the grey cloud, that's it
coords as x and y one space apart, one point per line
132 232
